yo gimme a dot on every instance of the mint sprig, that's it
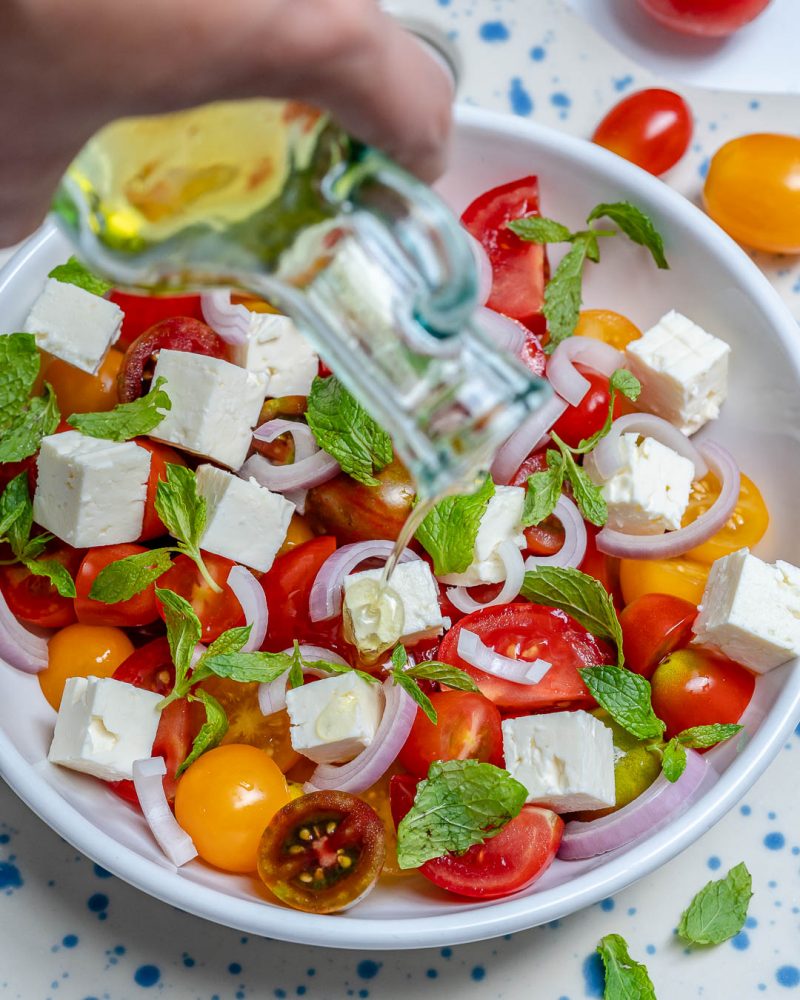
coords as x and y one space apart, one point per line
432 670
626 697
184 512
449 531
210 733
75 273
126 420
123 579
625 978
719 911
673 761
24 421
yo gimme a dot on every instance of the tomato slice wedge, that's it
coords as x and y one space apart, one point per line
217 611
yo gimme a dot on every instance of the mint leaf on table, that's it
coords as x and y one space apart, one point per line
183 512
449 531
636 226
126 420
19 366
75 273
673 760
210 733
543 490
21 434
123 579
460 804
626 697
344 429
183 634
718 912
626 979
701 737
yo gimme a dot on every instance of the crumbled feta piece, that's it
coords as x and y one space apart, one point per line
564 759
245 522
90 491
650 492
73 324
276 347
750 611
103 726
683 371
215 406
334 719
500 523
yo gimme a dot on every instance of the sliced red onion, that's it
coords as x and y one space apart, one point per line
526 438
305 445
399 712
231 322
505 333
675 543
250 594
325 600
19 647
272 696
573 550
484 267
564 376
657 805
511 557
473 651
312 471
607 460
173 840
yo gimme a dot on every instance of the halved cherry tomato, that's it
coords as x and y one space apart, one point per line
610 327
161 455
322 852
681 577
745 527
519 269
651 128
714 18
602 567
79 392
82 651
653 626
583 420
468 728
33 599
178 333
217 611
530 632
287 586
138 610
535 462
694 687
144 311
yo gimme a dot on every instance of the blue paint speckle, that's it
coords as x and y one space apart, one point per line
478 973
69 940
538 52
97 902
650 949
703 171
301 991
788 975
519 98
4 838
10 877
751 922
713 862
280 993
594 978
147 975
234 968
493 31
367 969
741 942
101 872
622 82
560 100
772 815
774 841
188 961
607 904
311 972
631 911
431 973
754 105
745 810
446 952
363 993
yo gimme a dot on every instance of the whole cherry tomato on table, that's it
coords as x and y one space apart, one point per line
144 311
651 128
653 626
33 599
715 18
138 610
82 651
217 611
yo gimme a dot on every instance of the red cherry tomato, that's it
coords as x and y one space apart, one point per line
138 610
519 269
144 311
651 128
583 420
715 18
178 333
506 863
529 632
535 462
161 456
33 599
602 567
693 687
217 611
653 626
468 728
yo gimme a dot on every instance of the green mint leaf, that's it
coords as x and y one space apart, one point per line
19 366
183 512
588 497
123 579
22 436
538 229
621 381
341 668
719 910
673 760
562 296
701 737
592 246
183 633
295 679
248 667
626 697
345 430
402 678
126 420
449 531
210 733
582 597
56 572
443 673
460 804
231 641
16 515
626 979
625 382
636 226
543 491
75 273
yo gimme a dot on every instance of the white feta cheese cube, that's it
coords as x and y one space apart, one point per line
415 586
500 523
73 324
245 522
683 371
90 491
750 611
564 759
334 719
215 406
103 726
650 492
276 347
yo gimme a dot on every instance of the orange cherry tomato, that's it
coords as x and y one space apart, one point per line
224 801
653 626
651 128
713 18
161 456
299 532
745 527
685 578
80 392
82 651
610 327
138 610
217 611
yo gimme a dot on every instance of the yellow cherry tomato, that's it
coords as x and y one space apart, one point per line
82 651
298 532
680 577
745 527
753 191
225 801
610 327
79 392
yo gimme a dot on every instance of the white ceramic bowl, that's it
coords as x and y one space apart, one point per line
712 281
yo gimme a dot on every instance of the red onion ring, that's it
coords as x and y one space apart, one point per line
658 804
231 322
325 600
19 647
399 712
484 267
272 696
170 836
305 445
564 376
505 333
573 550
526 438
475 652
312 471
511 557
250 594
607 460
675 543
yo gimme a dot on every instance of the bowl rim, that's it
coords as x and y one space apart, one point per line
484 920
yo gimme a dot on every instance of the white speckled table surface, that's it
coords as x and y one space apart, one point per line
69 930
